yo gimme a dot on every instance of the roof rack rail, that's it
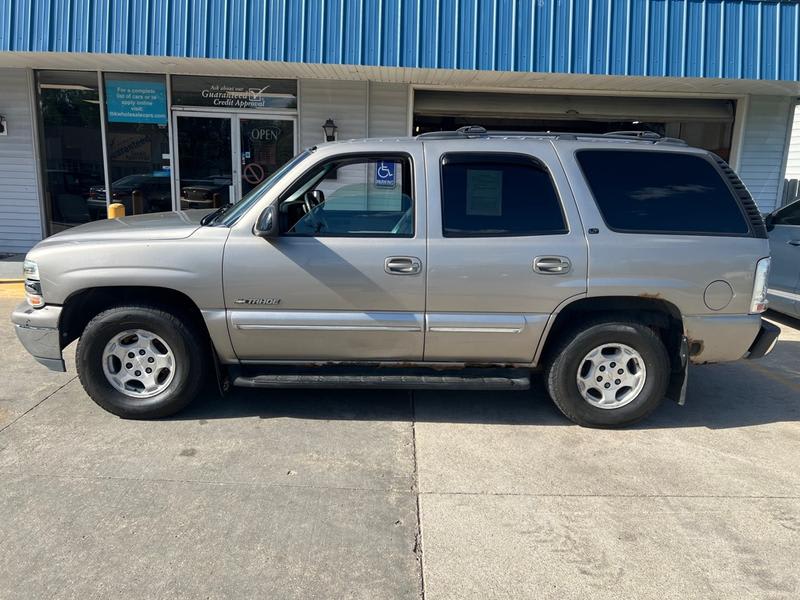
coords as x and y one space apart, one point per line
650 135
469 131
647 135
476 131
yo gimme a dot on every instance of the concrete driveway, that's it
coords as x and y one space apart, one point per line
344 494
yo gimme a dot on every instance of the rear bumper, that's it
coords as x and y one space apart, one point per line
721 338
37 329
765 340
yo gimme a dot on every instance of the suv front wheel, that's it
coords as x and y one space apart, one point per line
608 374
141 362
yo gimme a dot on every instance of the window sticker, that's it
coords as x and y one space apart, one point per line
484 192
385 174
136 102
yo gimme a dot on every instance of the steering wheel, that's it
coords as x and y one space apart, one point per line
312 200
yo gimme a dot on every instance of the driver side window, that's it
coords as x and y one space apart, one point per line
352 197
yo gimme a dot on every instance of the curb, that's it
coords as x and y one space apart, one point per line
11 288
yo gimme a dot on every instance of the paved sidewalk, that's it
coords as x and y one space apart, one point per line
11 266
358 494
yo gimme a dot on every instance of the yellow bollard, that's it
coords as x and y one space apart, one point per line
116 210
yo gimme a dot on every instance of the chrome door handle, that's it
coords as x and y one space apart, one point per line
794 242
552 265
402 265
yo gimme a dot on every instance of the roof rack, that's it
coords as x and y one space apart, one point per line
468 131
476 131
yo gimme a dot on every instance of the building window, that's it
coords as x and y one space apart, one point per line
138 142
72 148
491 195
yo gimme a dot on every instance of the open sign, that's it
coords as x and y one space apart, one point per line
265 134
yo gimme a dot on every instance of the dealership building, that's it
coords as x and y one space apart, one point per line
170 104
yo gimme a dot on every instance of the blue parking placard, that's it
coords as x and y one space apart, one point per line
385 174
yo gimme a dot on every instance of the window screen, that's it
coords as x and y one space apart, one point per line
486 195
649 191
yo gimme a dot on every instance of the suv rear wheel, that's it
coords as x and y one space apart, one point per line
141 362
608 374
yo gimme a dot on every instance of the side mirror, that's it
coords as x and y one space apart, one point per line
267 224
769 221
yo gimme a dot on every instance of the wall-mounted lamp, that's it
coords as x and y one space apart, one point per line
329 127
3 126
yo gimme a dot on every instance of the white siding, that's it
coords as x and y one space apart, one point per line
20 218
793 162
348 104
360 109
763 145
388 109
343 101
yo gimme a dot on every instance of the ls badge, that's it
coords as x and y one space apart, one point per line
258 301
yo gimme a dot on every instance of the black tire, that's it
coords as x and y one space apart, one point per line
188 345
564 361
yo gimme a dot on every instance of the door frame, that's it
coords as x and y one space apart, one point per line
234 119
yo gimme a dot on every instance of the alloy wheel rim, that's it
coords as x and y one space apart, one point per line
138 363
611 376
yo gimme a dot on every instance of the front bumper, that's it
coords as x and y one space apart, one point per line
765 340
37 329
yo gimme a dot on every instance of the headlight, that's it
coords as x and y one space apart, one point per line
30 269
759 301
33 288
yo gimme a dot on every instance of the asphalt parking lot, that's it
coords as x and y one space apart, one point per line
345 494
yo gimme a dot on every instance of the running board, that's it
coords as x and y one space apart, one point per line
471 379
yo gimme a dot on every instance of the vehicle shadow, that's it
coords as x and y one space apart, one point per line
783 320
740 394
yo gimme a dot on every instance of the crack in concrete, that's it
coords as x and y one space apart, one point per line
415 488
252 484
47 397
675 496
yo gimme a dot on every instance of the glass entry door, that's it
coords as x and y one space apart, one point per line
204 167
222 156
265 145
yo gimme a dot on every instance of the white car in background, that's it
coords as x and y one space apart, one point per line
784 242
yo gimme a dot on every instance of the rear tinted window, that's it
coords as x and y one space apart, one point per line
488 195
661 192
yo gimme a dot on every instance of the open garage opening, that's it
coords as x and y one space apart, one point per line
704 122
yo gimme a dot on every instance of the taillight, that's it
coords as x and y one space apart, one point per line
758 304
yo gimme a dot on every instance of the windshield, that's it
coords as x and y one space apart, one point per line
231 213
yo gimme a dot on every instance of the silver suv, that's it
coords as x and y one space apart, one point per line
459 260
